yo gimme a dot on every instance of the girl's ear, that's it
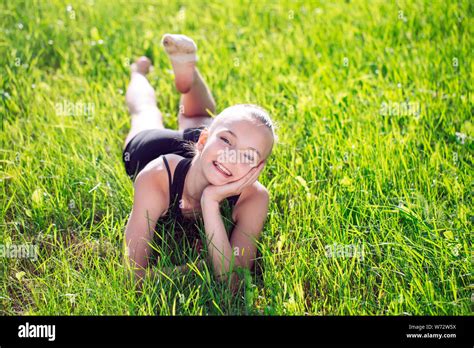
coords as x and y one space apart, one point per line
202 139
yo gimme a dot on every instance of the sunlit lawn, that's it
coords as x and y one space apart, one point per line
370 184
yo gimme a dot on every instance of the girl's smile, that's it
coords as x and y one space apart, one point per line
221 169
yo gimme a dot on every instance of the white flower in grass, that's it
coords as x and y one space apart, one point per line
461 137
20 275
455 249
72 298
71 204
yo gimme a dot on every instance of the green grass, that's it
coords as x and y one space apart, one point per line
394 183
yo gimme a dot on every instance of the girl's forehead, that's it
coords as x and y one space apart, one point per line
241 127
248 130
236 121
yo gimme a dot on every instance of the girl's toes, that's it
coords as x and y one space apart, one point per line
181 51
142 65
177 45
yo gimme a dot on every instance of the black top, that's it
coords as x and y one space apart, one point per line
176 185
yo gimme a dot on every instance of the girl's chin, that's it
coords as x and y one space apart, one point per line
221 182
217 181
214 179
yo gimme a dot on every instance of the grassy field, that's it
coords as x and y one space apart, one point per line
371 182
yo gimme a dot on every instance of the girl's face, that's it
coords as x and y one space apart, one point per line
233 149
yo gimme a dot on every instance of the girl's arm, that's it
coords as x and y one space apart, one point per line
219 247
250 212
250 215
148 205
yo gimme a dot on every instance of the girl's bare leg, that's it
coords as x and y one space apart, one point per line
141 100
196 98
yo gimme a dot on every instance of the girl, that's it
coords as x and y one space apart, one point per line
174 181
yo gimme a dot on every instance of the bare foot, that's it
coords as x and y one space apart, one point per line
142 66
140 94
182 52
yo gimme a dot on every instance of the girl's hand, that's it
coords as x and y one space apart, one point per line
221 192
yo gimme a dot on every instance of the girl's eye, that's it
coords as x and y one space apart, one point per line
225 140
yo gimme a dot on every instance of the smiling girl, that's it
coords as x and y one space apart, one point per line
175 180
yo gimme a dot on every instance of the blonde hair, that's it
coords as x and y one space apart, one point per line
252 111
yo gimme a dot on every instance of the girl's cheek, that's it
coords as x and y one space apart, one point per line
216 145
224 152
244 169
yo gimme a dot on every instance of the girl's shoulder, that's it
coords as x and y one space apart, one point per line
157 175
257 189
158 169
254 198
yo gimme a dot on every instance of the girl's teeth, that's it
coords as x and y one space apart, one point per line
221 168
